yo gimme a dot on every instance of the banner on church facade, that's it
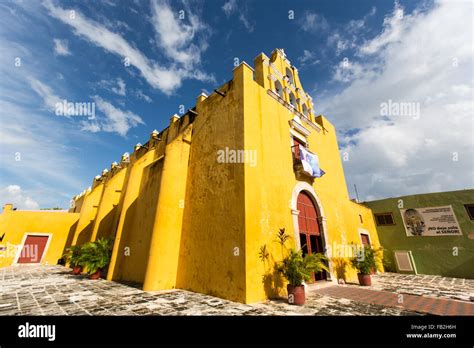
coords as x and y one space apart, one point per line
310 163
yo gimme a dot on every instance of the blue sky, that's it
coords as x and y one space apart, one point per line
352 57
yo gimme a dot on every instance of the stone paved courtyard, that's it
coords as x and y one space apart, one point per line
53 290
426 285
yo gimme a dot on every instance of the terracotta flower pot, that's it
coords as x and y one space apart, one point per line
76 270
296 295
364 279
95 275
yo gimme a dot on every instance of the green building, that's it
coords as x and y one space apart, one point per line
427 233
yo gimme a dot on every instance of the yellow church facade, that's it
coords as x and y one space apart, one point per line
193 207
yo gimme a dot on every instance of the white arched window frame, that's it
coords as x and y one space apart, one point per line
292 99
279 89
305 110
289 75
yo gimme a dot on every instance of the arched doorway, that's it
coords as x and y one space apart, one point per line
311 240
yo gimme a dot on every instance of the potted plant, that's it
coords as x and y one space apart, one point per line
297 269
72 257
365 263
95 257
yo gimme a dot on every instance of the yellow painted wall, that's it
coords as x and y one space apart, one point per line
162 268
146 248
85 225
77 204
109 201
133 233
17 223
213 222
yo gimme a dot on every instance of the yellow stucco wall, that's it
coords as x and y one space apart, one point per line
16 224
109 201
147 241
163 257
132 238
213 221
89 208
76 204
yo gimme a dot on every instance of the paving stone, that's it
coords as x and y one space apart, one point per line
433 286
422 304
53 290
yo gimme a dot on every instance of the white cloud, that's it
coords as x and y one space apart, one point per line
90 126
348 36
231 7
413 60
340 43
13 194
392 32
347 71
120 89
143 96
61 47
308 58
116 120
314 22
49 98
356 25
164 79
116 86
174 35
249 26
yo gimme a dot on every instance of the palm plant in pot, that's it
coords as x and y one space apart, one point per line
365 263
72 257
95 257
297 269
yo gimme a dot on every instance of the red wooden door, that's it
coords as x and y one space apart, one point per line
310 233
366 242
365 239
33 249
